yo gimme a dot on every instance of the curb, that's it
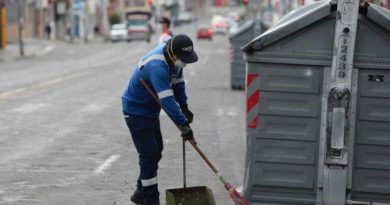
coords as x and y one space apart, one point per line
12 54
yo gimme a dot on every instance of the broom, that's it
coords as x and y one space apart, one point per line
236 197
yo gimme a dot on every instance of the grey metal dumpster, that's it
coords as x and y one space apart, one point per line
244 34
299 150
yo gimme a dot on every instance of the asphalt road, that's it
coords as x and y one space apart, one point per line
63 139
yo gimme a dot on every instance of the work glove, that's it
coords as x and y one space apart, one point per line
189 115
186 131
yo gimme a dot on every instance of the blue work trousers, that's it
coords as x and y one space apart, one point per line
147 138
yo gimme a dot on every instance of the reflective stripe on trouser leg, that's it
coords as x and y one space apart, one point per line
147 139
149 182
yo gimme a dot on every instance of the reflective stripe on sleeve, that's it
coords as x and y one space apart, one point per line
176 81
149 182
165 93
150 58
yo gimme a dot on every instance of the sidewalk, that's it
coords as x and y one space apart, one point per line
32 47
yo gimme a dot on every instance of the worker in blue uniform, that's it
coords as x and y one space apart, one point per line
162 70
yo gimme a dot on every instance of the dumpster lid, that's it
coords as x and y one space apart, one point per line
290 23
379 15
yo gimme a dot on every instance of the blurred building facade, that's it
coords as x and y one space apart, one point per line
12 15
383 3
84 19
54 19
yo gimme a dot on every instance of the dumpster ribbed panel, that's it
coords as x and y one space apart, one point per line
289 104
284 175
286 151
374 109
375 83
289 128
373 133
284 144
371 173
371 170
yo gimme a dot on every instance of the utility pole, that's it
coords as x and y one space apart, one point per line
20 6
104 24
105 19
3 24
71 32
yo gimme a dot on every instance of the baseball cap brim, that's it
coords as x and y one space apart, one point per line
192 58
164 20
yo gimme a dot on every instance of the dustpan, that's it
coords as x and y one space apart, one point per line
200 195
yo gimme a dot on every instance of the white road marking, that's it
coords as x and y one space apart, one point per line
16 199
48 83
46 50
94 107
106 164
44 171
232 113
29 108
220 111
220 51
13 198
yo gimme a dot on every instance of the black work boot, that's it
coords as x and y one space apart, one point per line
137 198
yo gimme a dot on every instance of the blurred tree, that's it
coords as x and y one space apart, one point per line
115 18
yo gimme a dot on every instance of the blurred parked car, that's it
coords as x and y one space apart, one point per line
234 15
219 25
118 32
205 33
184 17
138 26
231 23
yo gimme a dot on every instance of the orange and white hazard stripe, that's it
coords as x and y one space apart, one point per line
252 97
231 54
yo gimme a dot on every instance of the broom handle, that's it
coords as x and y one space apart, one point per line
184 165
192 141
237 198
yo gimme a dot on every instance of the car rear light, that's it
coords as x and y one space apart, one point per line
210 31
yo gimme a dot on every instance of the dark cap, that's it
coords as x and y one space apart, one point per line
165 20
183 48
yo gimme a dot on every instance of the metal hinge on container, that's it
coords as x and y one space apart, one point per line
338 120
341 82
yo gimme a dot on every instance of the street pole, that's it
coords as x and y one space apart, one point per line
3 24
71 37
105 19
20 7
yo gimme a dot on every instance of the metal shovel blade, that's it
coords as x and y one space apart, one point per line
200 195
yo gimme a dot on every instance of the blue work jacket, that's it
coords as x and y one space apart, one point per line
167 83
